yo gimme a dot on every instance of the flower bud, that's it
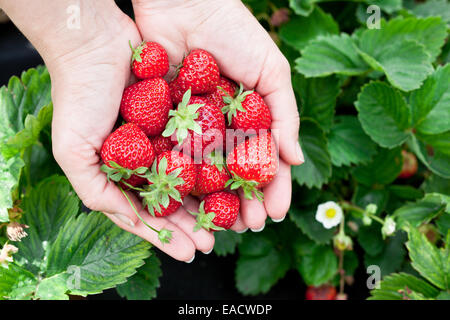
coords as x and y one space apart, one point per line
388 228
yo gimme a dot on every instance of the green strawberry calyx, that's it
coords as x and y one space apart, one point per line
205 219
136 56
248 186
116 172
233 105
183 119
161 187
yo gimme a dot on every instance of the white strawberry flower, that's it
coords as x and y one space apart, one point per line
329 214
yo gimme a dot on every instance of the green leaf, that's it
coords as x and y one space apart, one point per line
434 183
405 192
384 114
432 263
261 263
317 167
348 143
433 159
96 251
429 32
53 288
435 8
430 103
383 169
331 54
369 237
389 6
421 211
391 258
391 284
47 207
16 283
365 195
9 177
443 224
299 31
318 266
317 98
302 7
226 242
404 49
25 108
306 221
143 284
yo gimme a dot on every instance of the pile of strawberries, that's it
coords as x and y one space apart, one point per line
199 134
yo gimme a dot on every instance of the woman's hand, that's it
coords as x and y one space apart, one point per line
89 69
246 53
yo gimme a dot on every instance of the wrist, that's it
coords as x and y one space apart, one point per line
63 27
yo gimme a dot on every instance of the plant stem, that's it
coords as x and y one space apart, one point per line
135 211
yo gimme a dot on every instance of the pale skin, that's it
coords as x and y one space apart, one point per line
90 67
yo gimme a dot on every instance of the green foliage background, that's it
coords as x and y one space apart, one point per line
363 95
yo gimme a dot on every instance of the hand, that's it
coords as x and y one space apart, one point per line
245 52
89 70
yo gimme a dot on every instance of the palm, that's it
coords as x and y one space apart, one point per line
244 52
87 99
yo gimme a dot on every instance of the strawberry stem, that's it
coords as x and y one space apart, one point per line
164 235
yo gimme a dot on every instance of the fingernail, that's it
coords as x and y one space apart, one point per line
300 155
208 252
124 219
242 231
192 259
259 230
278 220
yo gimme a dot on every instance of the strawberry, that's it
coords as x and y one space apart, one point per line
147 103
199 72
161 144
149 60
127 152
197 125
211 175
253 164
172 177
225 87
324 292
247 111
409 167
217 211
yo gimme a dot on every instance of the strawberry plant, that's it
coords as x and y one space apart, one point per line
370 205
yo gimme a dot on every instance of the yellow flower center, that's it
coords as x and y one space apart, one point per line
330 213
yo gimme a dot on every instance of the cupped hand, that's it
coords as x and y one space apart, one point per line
245 53
88 79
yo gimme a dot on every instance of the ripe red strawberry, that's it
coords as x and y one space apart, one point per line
253 164
176 93
247 111
161 144
197 125
125 152
211 175
324 292
225 87
199 72
409 167
149 60
217 211
172 176
147 103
